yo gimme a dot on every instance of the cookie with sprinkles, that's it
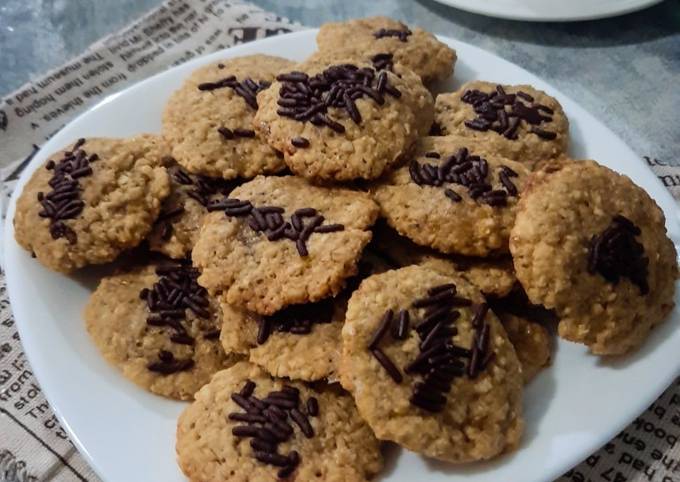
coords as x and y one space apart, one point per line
453 197
593 246
247 426
91 201
431 367
279 241
300 342
159 328
208 121
341 121
515 121
385 42
494 277
182 214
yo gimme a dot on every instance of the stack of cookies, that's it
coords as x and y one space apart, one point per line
330 258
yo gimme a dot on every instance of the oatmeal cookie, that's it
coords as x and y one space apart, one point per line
182 214
280 241
341 121
593 246
208 121
531 341
237 431
91 201
430 367
452 197
515 121
385 41
170 352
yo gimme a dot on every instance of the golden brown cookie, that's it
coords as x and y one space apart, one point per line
593 246
280 241
182 214
385 41
300 342
208 121
453 197
91 201
514 121
430 367
343 121
531 341
159 328
248 427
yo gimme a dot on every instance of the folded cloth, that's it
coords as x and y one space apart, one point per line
33 445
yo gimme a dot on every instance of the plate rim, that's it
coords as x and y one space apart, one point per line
483 8
662 383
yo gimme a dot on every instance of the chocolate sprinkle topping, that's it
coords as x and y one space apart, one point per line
308 99
247 89
402 35
295 319
300 142
167 364
503 113
63 201
267 424
275 227
383 61
615 253
467 170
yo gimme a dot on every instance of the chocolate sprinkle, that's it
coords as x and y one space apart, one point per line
308 99
615 253
247 89
503 113
387 364
167 364
267 425
63 201
402 34
301 142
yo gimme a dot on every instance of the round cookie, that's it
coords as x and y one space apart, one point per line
342 121
337 446
531 341
169 351
494 277
515 121
208 121
305 249
182 214
384 41
91 201
300 342
453 197
592 245
449 386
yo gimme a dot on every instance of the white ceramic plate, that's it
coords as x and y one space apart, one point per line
550 10
128 435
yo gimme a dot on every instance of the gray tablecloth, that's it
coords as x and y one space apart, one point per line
621 69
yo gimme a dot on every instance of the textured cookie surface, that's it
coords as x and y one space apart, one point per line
342 447
531 341
171 358
208 121
519 122
385 41
464 404
342 122
104 197
453 196
592 245
182 213
264 276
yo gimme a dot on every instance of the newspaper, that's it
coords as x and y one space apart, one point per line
33 446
